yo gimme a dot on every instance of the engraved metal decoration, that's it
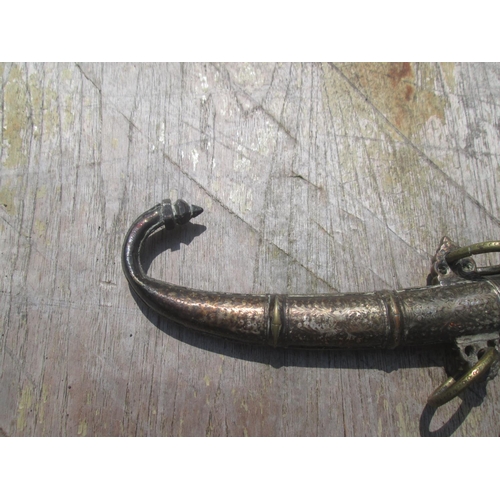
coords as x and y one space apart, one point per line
460 305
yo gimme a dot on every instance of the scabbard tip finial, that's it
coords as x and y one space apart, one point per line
195 211
179 213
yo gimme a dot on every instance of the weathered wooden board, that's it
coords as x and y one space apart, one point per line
314 178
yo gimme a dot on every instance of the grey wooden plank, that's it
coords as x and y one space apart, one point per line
314 178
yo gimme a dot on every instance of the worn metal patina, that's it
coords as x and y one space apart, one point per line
460 306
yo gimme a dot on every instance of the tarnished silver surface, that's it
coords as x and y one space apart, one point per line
460 306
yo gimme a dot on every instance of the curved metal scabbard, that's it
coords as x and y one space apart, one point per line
461 307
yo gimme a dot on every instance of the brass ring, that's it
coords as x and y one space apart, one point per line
476 249
450 388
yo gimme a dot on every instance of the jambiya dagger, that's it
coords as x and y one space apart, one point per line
460 306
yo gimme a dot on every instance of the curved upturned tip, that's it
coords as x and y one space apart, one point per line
165 214
236 316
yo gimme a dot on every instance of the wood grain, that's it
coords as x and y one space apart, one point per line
314 178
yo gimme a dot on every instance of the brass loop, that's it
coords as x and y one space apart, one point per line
450 388
478 248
